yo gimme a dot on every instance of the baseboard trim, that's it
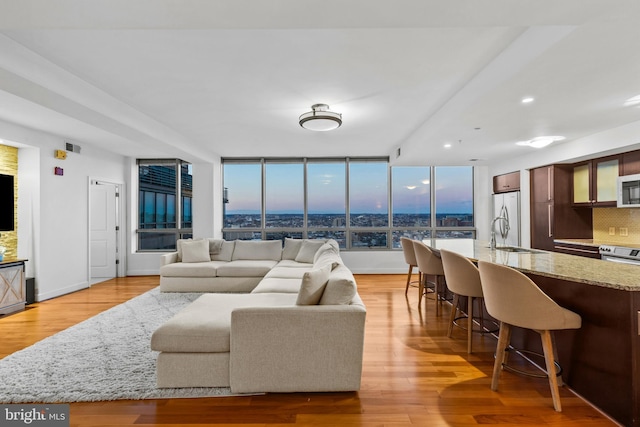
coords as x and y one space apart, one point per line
59 292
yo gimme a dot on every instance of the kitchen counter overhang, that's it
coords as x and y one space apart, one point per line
548 264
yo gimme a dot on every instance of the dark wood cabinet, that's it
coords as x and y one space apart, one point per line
552 213
587 251
506 182
630 163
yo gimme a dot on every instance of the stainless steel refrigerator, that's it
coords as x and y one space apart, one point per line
507 205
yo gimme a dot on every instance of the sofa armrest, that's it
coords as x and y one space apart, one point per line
169 258
297 348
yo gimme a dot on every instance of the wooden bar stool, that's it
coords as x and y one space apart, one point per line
515 300
463 279
410 258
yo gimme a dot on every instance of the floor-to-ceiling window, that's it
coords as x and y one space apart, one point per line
161 219
363 203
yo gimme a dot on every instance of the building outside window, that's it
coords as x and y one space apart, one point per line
361 203
161 220
454 202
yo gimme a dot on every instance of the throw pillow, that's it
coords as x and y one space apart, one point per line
179 247
313 283
291 248
195 251
308 250
341 287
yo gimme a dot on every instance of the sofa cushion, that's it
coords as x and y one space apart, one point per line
291 248
221 250
327 254
289 263
278 285
313 284
181 269
204 325
287 272
308 250
195 251
245 268
341 287
257 250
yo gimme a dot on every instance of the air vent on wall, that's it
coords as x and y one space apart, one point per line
74 148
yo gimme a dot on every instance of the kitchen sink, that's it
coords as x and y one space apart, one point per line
518 250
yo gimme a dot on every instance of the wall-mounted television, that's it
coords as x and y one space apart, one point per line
6 203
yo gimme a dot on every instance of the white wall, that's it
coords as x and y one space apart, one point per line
53 221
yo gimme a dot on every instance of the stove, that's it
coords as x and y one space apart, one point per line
620 254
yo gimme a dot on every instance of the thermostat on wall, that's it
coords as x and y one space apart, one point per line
58 171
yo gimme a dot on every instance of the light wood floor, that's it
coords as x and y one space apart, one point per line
413 374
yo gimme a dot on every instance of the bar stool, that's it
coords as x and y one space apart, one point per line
515 300
429 265
463 279
410 258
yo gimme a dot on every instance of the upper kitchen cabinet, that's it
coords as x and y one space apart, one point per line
506 182
552 213
630 163
595 182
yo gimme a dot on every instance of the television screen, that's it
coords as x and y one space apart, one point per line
6 203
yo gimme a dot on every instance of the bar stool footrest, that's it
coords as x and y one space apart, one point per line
526 373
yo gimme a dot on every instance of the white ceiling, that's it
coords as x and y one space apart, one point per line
196 79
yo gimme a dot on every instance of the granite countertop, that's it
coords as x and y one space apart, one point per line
551 264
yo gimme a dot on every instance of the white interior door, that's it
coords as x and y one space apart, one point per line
103 231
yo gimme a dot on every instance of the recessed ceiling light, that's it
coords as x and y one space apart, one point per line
540 141
447 145
633 101
410 187
425 181
527 100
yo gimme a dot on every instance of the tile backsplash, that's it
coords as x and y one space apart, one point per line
618 219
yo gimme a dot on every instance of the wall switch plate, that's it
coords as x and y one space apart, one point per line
624 231
612 231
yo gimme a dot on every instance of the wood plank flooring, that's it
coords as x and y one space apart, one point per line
413 375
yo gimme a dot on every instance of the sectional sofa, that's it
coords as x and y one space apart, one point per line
272 318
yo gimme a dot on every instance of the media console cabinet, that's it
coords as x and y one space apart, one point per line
13 292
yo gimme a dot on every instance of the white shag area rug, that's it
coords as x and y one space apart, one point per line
106 357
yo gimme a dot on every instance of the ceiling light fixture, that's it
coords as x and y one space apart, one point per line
447 145
540 141
527 100
320 119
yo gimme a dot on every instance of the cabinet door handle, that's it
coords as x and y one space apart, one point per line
549 219
548 184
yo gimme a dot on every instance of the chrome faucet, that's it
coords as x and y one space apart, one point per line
503 232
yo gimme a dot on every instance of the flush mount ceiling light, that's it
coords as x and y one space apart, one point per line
541 141
320 119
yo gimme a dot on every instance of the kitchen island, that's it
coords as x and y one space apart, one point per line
601 360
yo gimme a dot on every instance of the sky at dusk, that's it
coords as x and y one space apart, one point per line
326 188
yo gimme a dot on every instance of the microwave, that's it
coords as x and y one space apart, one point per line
629 191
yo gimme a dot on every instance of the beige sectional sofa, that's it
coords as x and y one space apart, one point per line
272 318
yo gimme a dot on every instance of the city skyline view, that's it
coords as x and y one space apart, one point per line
326 189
